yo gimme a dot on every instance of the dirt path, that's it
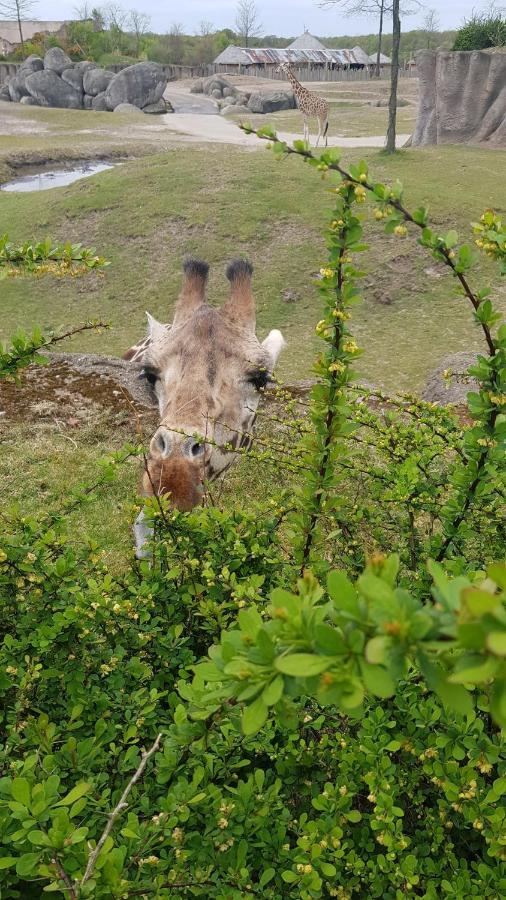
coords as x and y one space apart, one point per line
216 129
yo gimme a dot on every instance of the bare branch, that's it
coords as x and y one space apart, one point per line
118 809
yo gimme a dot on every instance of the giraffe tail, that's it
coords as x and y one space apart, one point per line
325 132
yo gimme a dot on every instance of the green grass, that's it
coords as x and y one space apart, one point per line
146 214
345 119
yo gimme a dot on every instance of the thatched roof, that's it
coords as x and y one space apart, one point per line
306 41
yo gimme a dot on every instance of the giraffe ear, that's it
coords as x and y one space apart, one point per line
155 329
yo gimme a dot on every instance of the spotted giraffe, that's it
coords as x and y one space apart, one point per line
206 370
311 105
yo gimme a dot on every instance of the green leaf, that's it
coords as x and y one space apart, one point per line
26 864
376 649
455 697
479 602
353 815
328 869
274 691
289 876
475 674
451 238
374 588
7 861
266 876
343 593
330 640
254 716
377 680
302 665
496 642
20 790
78 791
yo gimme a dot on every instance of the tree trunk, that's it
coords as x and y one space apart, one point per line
20 31
380 36
392 104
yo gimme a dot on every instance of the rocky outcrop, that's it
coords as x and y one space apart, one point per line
449 383
271 101
141 85
50 90
95 81
56 81
462 97
56 60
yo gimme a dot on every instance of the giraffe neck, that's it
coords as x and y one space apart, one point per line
295 82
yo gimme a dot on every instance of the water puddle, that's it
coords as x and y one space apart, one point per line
42 178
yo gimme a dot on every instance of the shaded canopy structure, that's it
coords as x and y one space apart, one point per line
462 97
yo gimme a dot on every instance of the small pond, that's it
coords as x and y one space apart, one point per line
41 178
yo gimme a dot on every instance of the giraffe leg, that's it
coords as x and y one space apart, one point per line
319 131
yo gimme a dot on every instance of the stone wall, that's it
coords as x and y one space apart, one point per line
462 97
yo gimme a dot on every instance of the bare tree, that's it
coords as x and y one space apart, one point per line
392 103
16 9
246 21
206 28
431 26
82 12
174 41
115 16
378 8
139 22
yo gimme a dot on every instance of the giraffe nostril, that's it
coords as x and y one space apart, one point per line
162 442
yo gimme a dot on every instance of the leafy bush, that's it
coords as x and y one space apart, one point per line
481 31
133 766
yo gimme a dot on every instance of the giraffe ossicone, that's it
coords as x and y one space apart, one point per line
311 105
207 370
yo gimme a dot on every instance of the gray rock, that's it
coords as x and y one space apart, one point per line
33 63
127 108
95 81
216 94
29 101
141 85
228 91
99 102
74 77
57 61
197 87
216 83
84 64
235 108
50 90
454 390
462 97
17 88
4 93
87 101
156 109
271 102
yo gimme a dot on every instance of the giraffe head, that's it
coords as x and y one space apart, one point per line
206 370
284 68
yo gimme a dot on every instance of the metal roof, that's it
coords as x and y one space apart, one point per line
247 56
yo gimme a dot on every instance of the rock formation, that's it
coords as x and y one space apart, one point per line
462 97
58 82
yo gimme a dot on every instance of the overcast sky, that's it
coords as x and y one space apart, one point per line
283 17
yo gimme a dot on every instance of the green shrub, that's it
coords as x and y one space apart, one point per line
133 765
481 31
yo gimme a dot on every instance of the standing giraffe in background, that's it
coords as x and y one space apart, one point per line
311 105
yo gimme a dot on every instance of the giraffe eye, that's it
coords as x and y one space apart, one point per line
150 375
259 379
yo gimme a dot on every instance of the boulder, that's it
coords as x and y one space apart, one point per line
197 87
87 101
95 81
271 102
156 109
235 108
454 388
74 77
56 60
126 108
29 101
17 88
216 83
141 85
228 91
462 97
33 63
216 94
99 102
50 90
84 64
4 93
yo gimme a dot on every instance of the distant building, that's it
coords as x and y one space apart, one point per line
304 51
384 60
9 33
